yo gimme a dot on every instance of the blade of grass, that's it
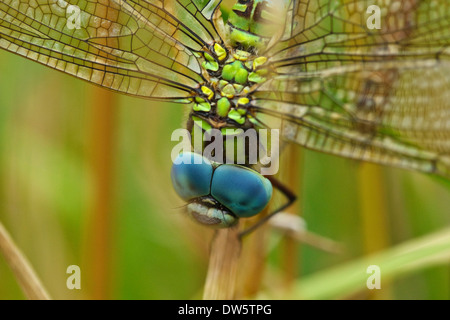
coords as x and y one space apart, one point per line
401 260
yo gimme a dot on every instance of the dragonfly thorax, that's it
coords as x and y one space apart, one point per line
232 75
256 23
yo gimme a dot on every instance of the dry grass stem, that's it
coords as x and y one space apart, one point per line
223 265
24 273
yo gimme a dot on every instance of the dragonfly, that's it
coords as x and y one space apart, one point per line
367 80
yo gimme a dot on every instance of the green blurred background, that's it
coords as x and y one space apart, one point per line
85 180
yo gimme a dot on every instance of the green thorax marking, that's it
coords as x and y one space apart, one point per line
231 74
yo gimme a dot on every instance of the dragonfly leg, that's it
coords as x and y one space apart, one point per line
291 197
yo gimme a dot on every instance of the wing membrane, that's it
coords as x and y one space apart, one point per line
325 34
135 47
374 95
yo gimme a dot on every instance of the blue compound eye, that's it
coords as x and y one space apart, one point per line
191 175
245 192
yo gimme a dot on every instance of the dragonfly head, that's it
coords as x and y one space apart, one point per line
256 23
219 194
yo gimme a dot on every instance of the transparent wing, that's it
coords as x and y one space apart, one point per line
141 48
380 95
